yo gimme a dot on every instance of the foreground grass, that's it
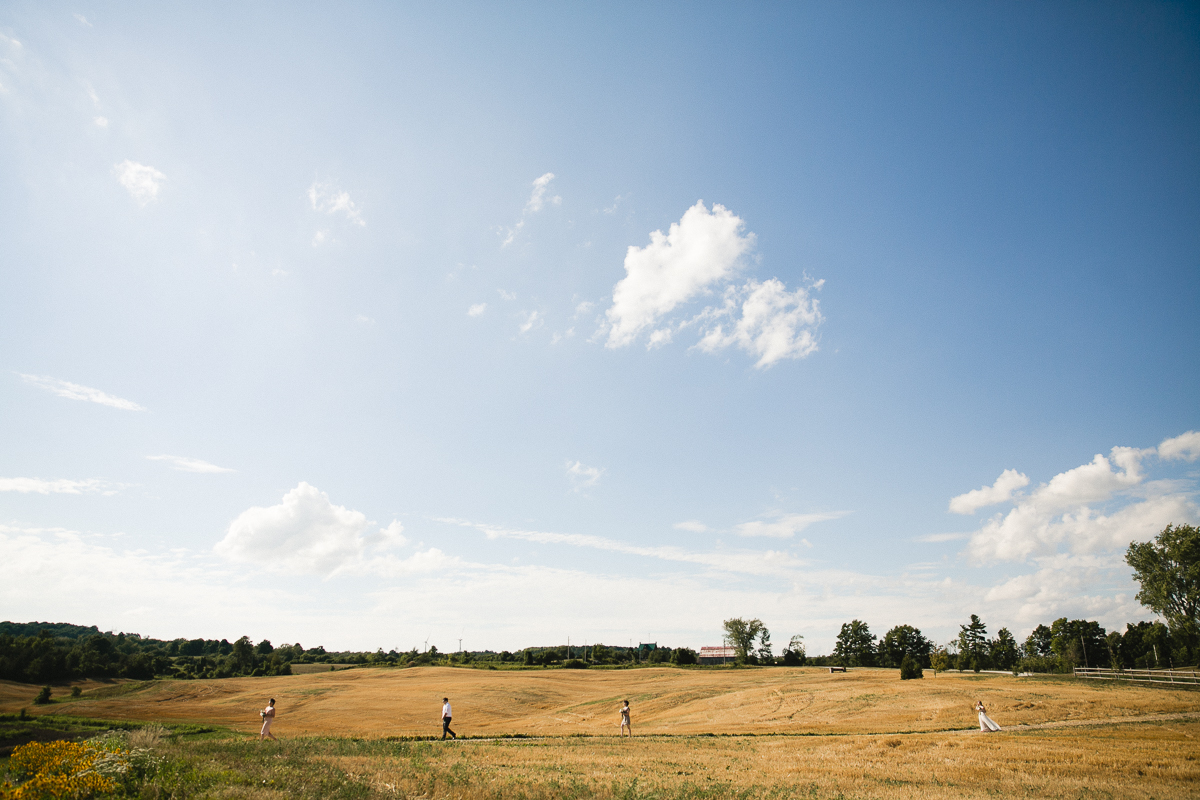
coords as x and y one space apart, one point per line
1123 761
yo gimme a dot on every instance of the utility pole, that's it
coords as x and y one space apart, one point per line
568 648
1084 646
460 646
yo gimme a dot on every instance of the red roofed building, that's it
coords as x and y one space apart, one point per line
717 655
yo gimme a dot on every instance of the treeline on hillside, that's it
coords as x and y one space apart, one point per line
569 656
38 652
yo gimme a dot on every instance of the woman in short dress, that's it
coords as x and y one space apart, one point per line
268 716
986 724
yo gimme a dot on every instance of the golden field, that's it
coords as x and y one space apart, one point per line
711 733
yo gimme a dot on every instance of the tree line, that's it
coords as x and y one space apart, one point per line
1167 569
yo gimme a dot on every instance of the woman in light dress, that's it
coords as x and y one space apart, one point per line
268 716
626 725
986 724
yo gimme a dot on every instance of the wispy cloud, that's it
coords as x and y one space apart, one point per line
583 476
537 200
327 199
784 526
73 391
768 562
82 20
533 319
184 464
477 310
141 181
693 525
58 486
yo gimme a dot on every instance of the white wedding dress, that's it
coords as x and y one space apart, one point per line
985 722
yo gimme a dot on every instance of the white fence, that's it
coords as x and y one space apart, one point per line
1176 676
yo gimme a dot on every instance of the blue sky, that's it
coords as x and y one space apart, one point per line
512 323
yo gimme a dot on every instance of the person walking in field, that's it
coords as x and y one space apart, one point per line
446 719
268 716
626 725
985 722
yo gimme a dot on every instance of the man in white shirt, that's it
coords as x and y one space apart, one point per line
446 719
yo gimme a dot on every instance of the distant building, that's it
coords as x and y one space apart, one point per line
717 655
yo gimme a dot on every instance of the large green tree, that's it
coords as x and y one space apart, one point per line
901 641
972 644
742 633
855 645
1168 569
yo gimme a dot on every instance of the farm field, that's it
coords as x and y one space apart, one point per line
407 702
699 733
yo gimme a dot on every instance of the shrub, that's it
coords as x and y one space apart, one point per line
43 696
910 668
76 691
574 663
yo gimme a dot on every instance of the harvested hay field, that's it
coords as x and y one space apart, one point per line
699 734
407 702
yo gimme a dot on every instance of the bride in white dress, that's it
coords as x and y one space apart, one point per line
986 724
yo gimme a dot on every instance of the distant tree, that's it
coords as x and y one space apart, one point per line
1078 642
43 696
1038 643
939 660
1168 569
793 654
684 656
900 641
972 644
264 647
242 658
1003 650
855 646
742 634
764 654
527 659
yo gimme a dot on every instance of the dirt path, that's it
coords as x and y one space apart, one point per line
1083 723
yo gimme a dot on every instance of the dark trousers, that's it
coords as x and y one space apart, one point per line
446 728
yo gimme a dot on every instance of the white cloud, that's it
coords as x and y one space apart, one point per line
1184 447
327 199
999 492
537 200
363 319
477 310
582 476
744 562
304 533
584 307
1099 506
774 324
101 122
507 295
941 537
73 391
533 319
82 20
784 526
538 197
140 180
275 273
184 464
693 525
59 486
319 238
699 251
